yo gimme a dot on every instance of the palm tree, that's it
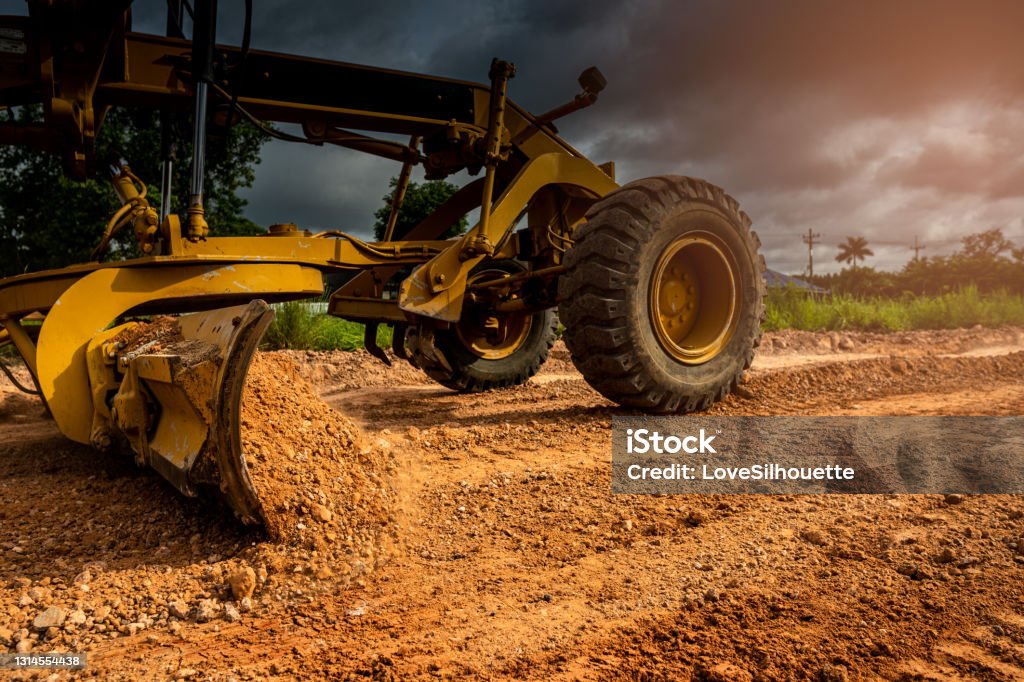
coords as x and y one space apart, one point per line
854 249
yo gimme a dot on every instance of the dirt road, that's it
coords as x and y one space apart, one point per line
511 557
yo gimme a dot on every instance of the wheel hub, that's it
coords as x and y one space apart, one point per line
693 298
490 335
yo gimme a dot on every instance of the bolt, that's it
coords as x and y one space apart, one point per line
439 278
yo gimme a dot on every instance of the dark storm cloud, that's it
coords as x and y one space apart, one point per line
882 119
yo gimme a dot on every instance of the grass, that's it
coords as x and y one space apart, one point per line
297 326
789 309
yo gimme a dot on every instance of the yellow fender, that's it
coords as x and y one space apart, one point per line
87 307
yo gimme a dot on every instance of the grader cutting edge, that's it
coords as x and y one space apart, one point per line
658 283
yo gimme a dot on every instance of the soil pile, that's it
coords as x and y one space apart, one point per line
917 342
324 490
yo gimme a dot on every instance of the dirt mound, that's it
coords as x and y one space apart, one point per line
324 490
919 342
841 385
344 370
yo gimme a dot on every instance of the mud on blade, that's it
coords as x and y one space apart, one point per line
173 389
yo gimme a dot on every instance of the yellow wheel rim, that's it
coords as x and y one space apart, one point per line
488 335
693 298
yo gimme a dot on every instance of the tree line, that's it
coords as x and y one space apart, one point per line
987 261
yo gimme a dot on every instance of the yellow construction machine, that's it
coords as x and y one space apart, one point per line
658 283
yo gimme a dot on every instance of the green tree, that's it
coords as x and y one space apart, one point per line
854 249
49 221
421 199
989 244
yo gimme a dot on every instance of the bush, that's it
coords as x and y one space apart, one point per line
297 325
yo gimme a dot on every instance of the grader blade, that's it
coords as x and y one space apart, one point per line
178 397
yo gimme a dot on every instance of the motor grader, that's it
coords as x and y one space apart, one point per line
658 283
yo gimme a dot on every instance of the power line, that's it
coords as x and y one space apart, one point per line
809 239
917 247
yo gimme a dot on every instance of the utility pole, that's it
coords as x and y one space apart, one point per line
917 248
809 239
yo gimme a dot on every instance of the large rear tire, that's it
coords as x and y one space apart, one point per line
663 298
484 351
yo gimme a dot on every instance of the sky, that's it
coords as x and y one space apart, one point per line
887 119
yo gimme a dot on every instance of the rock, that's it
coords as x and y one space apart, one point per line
231 614
206 610
76 618
101 613
24 646
726 672
845 343
914 572
712 595
320 513
178 609
814 536
832 673
186 674
39 594
743 392
52 617
899 365
953 498
883 649
967 562
946 556
245 604
242 582
6 636
694 519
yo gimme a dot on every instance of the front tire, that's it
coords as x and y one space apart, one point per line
663 298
